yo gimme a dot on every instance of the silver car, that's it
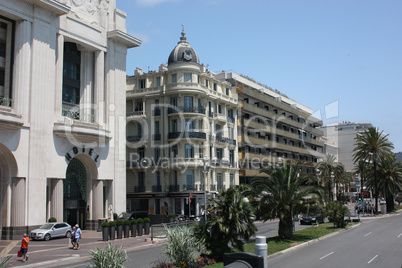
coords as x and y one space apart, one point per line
51 230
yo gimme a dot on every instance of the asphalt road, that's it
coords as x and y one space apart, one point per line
373 244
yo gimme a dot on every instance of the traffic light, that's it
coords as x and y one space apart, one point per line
360 197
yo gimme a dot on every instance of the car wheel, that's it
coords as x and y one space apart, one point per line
68 234
47 237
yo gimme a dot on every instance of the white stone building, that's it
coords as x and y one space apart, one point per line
176 116
62 112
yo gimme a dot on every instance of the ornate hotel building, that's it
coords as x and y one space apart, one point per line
62 112
176 116
273 128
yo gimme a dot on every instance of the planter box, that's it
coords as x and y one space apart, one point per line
133 230
112 232
126 229
105 233
140 228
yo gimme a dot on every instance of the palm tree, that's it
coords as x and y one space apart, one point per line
231 223
371 145
389 182
328 169
281 193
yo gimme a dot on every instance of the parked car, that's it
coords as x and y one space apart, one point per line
133 215
51 230
312 219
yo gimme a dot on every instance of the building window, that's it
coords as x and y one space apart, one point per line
174 125
219 153
71 73
198 79
219 181
188 78
189 151
231 180
174 78
158 178
158 81
189 179
227 91
157 155
206 83
142 83
188 104
141 179
173 102
215 87
175 151
157 206
231 158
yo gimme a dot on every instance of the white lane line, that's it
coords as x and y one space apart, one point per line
400 235
326 255
367 234
373 258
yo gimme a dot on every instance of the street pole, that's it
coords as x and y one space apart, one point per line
205 170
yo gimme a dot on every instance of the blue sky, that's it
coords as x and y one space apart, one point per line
345 54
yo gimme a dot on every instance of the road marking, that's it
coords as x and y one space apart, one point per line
326 255
400 235
373 258
367 234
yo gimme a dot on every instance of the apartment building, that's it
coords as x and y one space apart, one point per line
177 116
343 136
62 80
273 128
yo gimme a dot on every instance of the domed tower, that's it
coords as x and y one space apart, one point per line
183 52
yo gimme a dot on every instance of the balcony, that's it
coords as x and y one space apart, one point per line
135 114
231 120
157 188
220 117
134 138
139 189
189 187
156 137
182 109
187 135
8 119
174 188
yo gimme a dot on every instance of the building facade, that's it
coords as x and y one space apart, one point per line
343 136
176 117
273 128
62 110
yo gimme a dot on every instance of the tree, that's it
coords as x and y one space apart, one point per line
389 182
328 169
282 192
371 145
231 223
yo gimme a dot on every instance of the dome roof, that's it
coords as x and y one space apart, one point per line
183 52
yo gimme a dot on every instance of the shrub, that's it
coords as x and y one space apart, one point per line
181 245
110 256
118 223
112 224
133 221
52 219
336 213
126 222
147 220
140 220
171 215
115 216
105 224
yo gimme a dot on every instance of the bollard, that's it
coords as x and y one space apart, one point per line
261 249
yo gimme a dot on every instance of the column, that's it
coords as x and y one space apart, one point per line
18 197
59 75
87 75
97 200
99 86
22 67
56 198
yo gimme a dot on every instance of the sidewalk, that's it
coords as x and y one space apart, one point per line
52 253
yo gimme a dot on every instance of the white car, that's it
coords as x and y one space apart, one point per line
51 230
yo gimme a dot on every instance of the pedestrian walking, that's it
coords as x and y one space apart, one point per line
73 237
24 247
77 236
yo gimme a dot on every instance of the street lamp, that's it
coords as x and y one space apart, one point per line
205 169
332 184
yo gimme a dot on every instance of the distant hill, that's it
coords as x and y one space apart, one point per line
399 156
